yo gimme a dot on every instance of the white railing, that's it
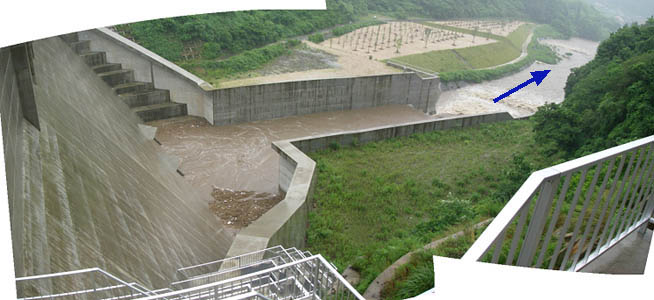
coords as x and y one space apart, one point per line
234 266
565 216
311 277
92 283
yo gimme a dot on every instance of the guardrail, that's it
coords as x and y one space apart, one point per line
92 283
309 277
569 219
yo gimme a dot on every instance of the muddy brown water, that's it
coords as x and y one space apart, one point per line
239 158
478 98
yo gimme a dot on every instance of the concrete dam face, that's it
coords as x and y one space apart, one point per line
86 187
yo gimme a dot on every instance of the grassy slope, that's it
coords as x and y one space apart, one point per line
536 52
376 202
483 56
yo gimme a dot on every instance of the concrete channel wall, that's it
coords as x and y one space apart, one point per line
87 189
286 223
276 100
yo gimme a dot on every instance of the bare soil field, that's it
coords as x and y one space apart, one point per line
399 39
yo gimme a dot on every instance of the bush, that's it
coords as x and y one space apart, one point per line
210 50
317 38
246 61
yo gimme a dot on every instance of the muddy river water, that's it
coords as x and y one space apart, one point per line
477 98
237 165
239 157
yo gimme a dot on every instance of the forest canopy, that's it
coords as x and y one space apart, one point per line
609 101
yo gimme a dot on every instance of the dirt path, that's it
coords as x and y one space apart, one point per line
374 290
524 53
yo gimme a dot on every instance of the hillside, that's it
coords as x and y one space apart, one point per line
221 35
627 11
608 102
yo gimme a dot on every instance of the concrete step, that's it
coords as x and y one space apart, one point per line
114 78
146 98
93 58
70 37
160 111
81 46
133 87
107 68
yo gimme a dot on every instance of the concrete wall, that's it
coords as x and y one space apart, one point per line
314 143
286 223
266 101
276 100
95 191
184 87
12 131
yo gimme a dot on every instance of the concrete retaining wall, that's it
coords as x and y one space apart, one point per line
184 87
265 101
286 223
276 100
87 189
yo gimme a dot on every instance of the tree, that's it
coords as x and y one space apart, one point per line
427 35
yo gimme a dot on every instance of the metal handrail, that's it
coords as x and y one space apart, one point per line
135 287
316 262
237 257
535 202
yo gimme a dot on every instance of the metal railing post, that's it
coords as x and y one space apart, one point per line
541 212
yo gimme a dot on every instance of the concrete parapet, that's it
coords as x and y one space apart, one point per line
286 223
314 143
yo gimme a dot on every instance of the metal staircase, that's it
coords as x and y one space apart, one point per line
275 273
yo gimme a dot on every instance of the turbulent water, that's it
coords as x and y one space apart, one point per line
240 157
478 98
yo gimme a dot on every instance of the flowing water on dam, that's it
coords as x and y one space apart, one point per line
478 98
236 163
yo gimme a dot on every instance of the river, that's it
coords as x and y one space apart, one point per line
478 98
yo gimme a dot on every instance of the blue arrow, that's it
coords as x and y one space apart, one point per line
536 76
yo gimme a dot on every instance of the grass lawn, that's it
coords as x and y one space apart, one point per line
435 61
477 57
489 55
376 202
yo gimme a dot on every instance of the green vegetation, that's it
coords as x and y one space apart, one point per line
345 29
413 190
570 17
316 38
482 56
536 52
234 32
434 61
417 276
608 101
246 61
